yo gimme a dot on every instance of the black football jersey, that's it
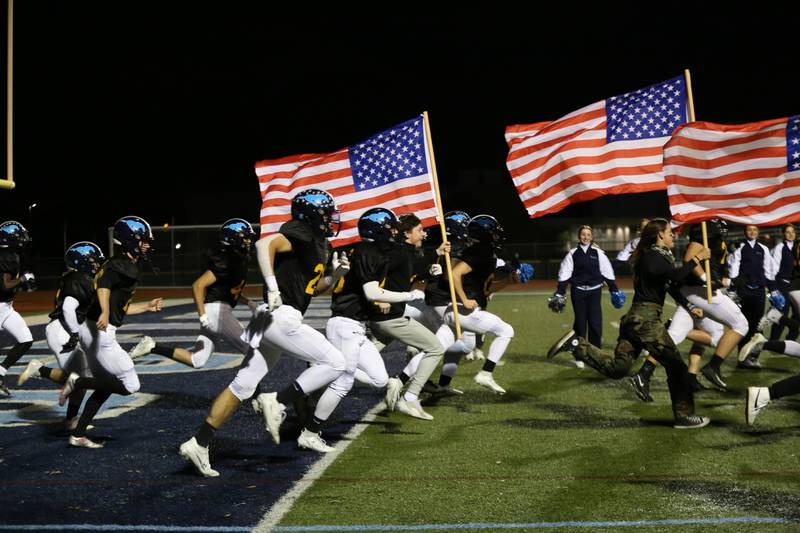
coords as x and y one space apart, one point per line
9 264
299 271
483 262
368 262
121 276
230 269
81 287
718 263
406 264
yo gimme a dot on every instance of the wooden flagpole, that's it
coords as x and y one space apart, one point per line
707 262
441 224
8 183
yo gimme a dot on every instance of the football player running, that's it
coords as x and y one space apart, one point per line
75 294
292 262
216 292
15 243
115 284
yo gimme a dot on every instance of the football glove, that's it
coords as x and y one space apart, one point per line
557 303
618 299
435 270
274 300
27 282
777 300
204 321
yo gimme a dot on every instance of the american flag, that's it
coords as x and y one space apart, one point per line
390 169
748 173
610 147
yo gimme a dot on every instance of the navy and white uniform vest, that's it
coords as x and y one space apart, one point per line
753 265
586 267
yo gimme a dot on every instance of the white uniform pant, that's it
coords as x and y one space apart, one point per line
102 348
683 322
285 332
73 361
481 322
721 309
223 325
350 337
12 322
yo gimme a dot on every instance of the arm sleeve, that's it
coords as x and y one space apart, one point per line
770 269
68 307
734 261
564 273
626 252
661 267
607 271
374 293
677 295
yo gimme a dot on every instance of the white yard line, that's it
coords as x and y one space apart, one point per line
284 505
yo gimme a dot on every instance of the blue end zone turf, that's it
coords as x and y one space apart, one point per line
138 478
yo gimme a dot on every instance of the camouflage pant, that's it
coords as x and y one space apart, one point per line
642 329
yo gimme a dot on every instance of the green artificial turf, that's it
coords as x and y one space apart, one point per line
567 445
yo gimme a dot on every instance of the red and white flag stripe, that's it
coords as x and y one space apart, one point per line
281 179
737 172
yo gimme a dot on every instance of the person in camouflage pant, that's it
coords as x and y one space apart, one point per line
642 327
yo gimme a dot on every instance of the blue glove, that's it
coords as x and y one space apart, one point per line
618 299
525 272
777 300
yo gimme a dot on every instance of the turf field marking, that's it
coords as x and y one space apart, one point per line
120 527
541 525
282 506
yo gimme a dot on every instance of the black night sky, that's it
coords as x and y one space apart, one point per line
160 108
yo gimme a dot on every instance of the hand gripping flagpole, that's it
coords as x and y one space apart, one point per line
707 262
441 224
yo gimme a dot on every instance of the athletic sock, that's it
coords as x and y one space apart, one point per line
45 372
647 369
775 346
402 376
488 366
314 425
785 387
716 362
163 349
291 393
444 381
205 434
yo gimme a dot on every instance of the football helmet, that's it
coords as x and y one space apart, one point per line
318 209
378 224
14 235
237 233
717 229
130 232
486 230
455 224
84 257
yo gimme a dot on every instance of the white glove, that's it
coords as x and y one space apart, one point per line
416 294
26 277
340 261
274 300
435 270
204 321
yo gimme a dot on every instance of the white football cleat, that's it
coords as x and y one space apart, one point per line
144 347
393 390
313 441
84 442
31 371
198 456
412 409
67 389
757 399
485 379
753 345
274 413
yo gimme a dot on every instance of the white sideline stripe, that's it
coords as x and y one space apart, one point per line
284 505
